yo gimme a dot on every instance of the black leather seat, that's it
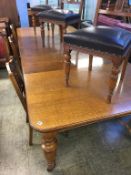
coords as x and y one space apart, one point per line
39 8
103 38
60 15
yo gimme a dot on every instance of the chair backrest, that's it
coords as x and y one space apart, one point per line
16 78
8 33
119 8
78 3
13 43
4 36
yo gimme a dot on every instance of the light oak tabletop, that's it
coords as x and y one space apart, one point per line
52 106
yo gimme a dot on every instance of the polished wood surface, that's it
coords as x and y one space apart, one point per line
52 107
58 107
37 56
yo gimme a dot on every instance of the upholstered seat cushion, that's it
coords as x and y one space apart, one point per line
59 15
41 8
113 40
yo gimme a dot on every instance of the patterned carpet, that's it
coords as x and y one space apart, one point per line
98 149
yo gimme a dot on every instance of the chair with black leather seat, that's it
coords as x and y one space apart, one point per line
108 42
16 78
62 17
34 10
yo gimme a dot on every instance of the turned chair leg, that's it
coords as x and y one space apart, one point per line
42 27
112 82
90 62
30 136
61 33
124 69
52 27
34 22
48 26
49 146
67 61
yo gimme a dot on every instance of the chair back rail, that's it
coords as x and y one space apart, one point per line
118 10
17 80
15 50
77 2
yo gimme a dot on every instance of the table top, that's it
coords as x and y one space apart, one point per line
52 106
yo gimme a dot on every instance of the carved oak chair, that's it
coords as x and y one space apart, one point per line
7 31
16 78
4 50
33 11
108 42
61 17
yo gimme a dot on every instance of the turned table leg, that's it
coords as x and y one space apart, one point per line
67 61
49 145
112 82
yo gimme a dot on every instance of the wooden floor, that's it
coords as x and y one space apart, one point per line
84 101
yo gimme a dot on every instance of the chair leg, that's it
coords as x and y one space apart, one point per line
42 31
78 25
67 61
30 136
27 118
34 22
112 82
90 62
52 27
61 33
124 69
48 26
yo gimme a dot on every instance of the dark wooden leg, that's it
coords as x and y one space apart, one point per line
67 61
27 118
61 33
48 26
30 136
112 82
42 27
78 25
6 46
49 145
52 27
124 69
90 62
42 30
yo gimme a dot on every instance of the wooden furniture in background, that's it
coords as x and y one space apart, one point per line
97 39
61 17
33 11
4 47
9 9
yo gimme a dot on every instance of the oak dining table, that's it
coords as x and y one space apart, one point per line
54 108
